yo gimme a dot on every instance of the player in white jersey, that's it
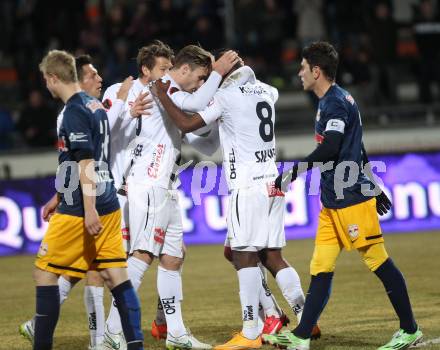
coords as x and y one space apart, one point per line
153 62
90 82
243 107
154 212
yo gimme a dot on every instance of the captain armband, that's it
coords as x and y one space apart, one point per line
335 125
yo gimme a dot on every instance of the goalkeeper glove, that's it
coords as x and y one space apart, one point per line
383 203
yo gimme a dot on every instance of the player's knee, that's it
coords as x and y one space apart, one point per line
171 263
227 253
324 259
143 255
44 278
272 260
374 255
94 279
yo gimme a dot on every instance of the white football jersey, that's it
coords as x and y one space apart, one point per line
158 142
122 127
244 110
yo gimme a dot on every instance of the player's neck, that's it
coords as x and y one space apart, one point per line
144 80
174 74
322 87
68 90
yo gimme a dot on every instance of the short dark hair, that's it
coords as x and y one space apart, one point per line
323 55
194 56
81 61
147 54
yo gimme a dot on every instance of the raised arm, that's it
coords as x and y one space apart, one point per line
185 122
198 100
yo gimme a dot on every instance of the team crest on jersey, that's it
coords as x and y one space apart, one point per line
94 105
318 115
353 231
350 99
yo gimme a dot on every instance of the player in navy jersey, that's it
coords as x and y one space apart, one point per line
84 233
350 200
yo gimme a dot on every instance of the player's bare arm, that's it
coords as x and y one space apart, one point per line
185 122
87 178
141 105
50 207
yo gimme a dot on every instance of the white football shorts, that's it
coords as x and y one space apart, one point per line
155 221
255 219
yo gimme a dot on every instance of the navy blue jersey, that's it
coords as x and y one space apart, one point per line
341 186
84 126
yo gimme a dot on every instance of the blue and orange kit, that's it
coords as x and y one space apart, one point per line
84 130
341 186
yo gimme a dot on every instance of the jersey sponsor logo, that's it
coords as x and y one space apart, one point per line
159 235
78 137
232 169
255 90
61 144
350 99
265 155
319 138
153 169
94 105
353 231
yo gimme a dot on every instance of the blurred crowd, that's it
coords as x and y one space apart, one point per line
381 43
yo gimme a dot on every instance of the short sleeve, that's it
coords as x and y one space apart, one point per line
78 128
211 113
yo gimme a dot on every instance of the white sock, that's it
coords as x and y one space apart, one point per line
136 270
65 286
169 287
266 296
94 302
160 315
249 280
290 285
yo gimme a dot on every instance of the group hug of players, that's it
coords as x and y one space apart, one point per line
208 101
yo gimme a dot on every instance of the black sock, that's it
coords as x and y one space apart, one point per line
395 287
46 317
130 312
316 299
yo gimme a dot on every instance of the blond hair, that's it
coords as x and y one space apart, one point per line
61 64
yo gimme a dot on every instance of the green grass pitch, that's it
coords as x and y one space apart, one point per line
358 316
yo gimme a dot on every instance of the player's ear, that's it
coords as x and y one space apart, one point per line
145 71
185 69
